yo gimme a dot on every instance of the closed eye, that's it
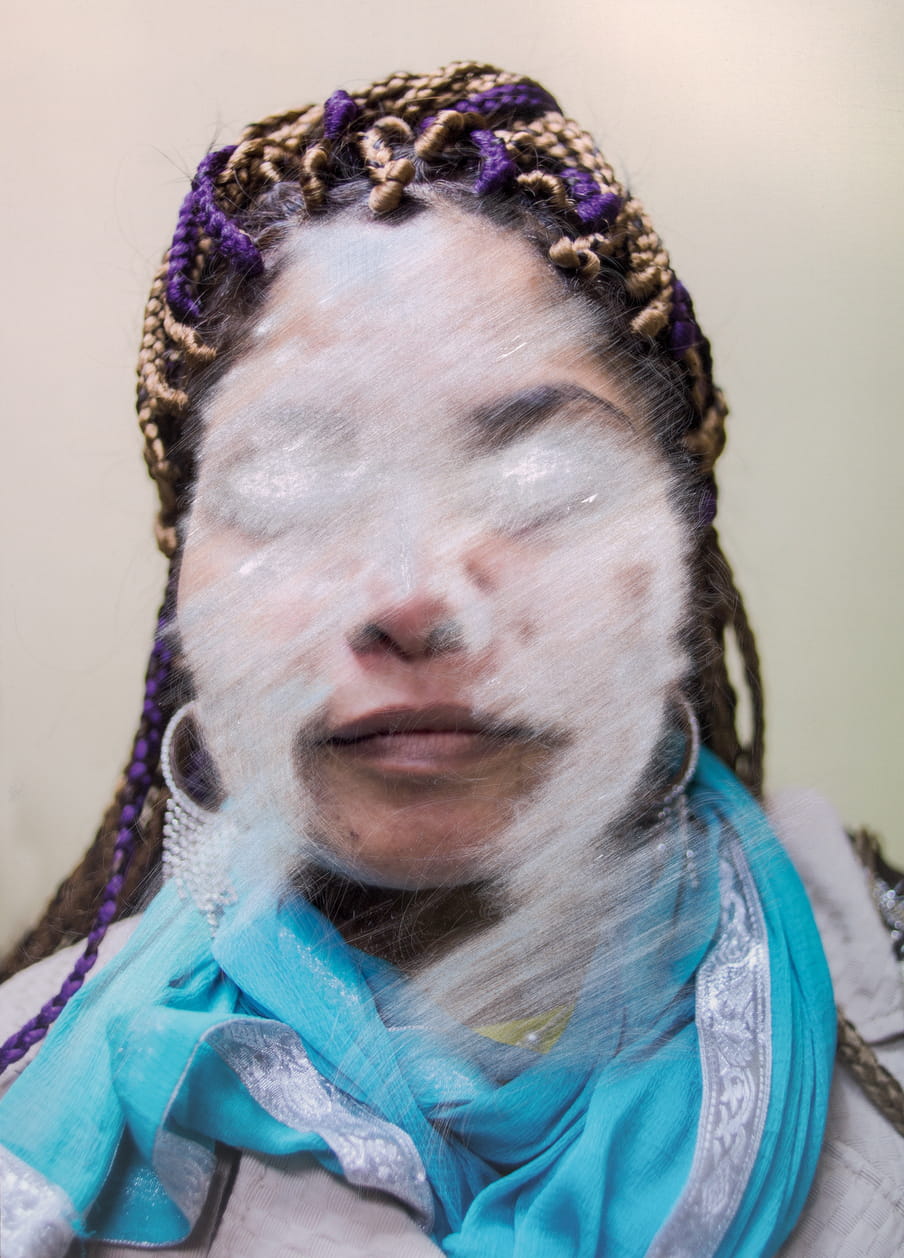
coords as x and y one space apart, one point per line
527 521
504 421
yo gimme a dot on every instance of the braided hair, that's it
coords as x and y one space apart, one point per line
499 142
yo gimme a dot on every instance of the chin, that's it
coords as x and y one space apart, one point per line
426 844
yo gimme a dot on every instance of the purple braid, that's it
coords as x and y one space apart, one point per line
201 214
139 776
181 257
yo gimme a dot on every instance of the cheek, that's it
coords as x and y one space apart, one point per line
586 593
594 621
244 607
635 582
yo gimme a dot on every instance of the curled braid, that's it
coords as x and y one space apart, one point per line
133 797
482 132
575 255
310 176
445 128
288 131
390 174
649 276
544 186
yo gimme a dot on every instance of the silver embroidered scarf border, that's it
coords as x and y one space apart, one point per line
734 1028
36 1217
272 1064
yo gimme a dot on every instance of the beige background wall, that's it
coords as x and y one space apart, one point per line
765 139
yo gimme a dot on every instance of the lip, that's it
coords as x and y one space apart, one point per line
421 741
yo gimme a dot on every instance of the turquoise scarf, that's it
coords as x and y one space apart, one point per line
278 1037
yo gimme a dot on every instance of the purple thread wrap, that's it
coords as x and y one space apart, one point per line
200 213
521 98
707 506
525 100
496 167
145 755
592 206
338 114
684 331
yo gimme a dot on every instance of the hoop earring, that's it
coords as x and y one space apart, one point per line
195 839
672 812
691 752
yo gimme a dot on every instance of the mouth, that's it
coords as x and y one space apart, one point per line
430 742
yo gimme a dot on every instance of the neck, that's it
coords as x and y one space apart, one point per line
407 928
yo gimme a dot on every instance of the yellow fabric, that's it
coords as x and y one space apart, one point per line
541 1032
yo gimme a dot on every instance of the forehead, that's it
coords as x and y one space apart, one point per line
424 319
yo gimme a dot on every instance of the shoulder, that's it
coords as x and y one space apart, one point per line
865 973
856 1206
22 996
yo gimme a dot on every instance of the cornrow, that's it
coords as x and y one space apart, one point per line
469 130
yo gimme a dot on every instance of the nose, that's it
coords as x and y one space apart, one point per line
419 627
427 588
427 594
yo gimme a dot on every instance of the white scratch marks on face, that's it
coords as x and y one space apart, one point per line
349 511
508 353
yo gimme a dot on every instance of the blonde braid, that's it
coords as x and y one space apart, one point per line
541 184
707 440
449 125
575 255
314 163
649 277
390 175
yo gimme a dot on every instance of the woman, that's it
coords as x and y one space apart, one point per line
469 935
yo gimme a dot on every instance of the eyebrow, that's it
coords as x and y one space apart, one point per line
502 421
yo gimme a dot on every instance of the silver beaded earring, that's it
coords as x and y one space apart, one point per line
672 813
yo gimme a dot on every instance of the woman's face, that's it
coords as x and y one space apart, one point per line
432 583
